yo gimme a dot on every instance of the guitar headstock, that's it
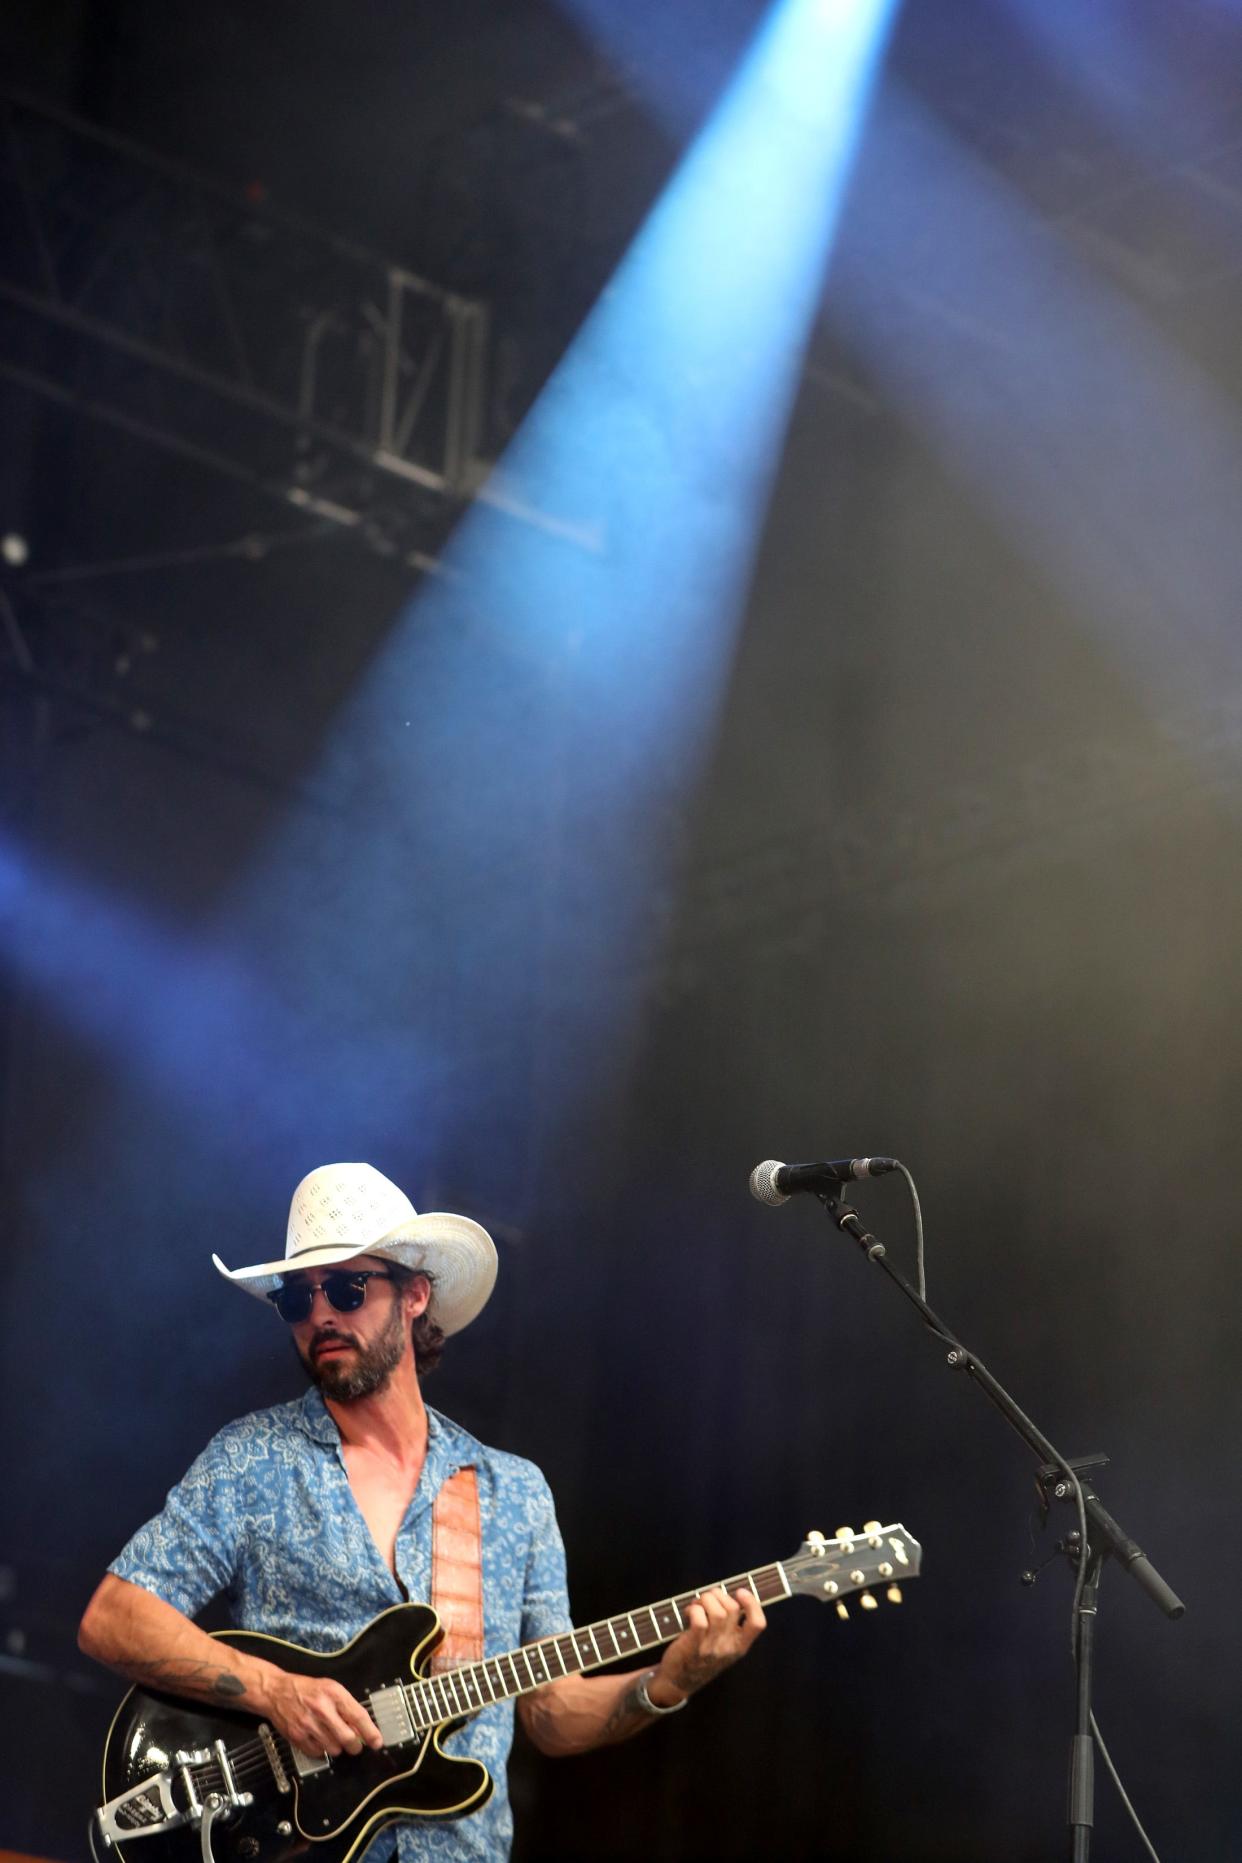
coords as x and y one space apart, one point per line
831 1569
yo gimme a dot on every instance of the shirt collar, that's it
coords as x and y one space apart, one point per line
444 1436
315 1418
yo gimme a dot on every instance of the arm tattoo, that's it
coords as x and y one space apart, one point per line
181 1674
627 1714
700 1670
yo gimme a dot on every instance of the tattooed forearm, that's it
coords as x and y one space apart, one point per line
183 1675
698 1671
628 1714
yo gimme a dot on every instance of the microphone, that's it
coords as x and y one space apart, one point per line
772 1182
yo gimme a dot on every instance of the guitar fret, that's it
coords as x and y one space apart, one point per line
655 1626
594 1644
556 1647
507 1676
622 1636
667 1619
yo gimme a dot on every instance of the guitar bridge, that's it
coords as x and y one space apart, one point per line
272 1754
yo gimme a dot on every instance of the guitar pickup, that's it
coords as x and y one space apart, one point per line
391 1714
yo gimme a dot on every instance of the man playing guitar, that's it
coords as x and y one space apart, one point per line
314 1517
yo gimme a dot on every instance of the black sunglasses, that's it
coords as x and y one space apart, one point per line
345 1292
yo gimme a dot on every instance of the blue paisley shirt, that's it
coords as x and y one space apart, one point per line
267 1517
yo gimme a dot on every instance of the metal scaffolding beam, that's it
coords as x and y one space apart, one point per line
217 328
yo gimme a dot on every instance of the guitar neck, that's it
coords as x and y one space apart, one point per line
465 1690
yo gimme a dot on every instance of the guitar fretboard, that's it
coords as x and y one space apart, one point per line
456 1692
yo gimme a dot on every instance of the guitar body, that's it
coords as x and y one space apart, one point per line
331 1815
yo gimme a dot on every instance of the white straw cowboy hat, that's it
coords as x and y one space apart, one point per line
343 1210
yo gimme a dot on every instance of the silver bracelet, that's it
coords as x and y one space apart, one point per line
649 1706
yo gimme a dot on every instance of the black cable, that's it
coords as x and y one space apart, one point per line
1121 1790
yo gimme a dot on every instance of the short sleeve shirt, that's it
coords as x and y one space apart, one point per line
266 1517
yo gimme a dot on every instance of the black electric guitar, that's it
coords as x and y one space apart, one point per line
183 1779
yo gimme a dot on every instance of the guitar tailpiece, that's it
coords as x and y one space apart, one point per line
150 1808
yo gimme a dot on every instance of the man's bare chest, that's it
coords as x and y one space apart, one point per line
383 1492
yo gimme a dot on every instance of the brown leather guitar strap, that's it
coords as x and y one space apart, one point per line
457 1570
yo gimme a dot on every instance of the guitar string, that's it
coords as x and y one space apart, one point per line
251 1759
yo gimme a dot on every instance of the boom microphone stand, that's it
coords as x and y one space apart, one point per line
1098 1535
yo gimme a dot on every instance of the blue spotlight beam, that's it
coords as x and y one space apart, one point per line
505 871
533 830
191 1024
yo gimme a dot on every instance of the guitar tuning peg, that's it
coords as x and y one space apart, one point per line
844 1533
893 1594
815 1539
842 1609
868 1602
871 1526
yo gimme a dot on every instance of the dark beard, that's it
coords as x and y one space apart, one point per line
371 1368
